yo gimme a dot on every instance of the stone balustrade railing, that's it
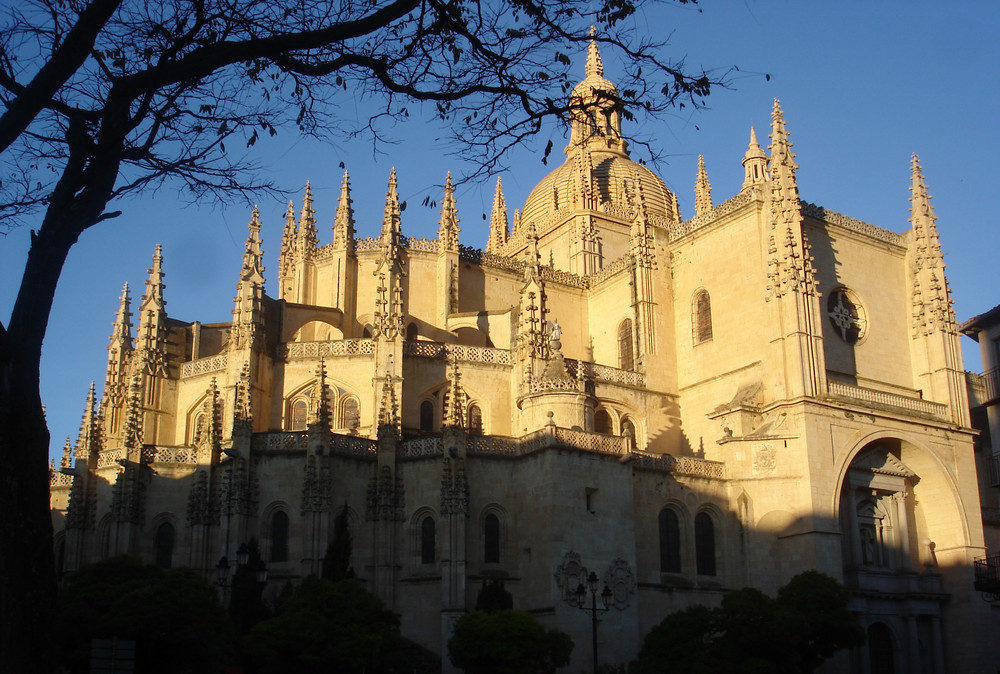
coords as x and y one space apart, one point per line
207 365
168 455
868 395
680 465
58 479
459 352
605 373
342 347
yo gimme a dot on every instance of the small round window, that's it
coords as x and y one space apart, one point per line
847 316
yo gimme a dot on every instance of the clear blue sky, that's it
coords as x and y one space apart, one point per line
863 85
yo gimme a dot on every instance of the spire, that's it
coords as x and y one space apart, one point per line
321 398
754 163
498 222
783 166
932 306
119 357
391 226
286 261
88 441
307 239
132 423
702 190
448 224
388 411
922 217
253 256
152 337
343 224
454 403
67 455
594 67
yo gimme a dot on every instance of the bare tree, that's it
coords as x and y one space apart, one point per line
108 98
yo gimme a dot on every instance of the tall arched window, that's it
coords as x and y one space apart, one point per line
491 539
427 416
670 542
475 420
298 415
279 536
704 544
428 541
626 361
602 422
351 414
164 545
701 317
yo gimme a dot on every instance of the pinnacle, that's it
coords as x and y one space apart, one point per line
594 67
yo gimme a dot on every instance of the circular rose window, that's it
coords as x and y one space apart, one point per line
847 316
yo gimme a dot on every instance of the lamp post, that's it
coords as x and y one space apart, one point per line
593 610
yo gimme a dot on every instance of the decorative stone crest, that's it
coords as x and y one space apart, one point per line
621 581
765 459
569 576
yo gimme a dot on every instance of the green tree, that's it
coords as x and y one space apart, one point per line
507 642
493 596
174 616
103 99
751 633
246 605
337 560
326 627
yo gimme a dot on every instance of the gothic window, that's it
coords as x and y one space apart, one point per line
298 414
491 539
279 536
625 358
164 545
602 422
411 332
351 414
428 541
427 416
475 420
670 542
701 317
704 544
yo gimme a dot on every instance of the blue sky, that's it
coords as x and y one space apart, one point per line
862 85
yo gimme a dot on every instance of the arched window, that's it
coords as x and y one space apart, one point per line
428 541
351 414
298 415
625 359
279 536
880 650
602 422
427 416
475 420
199 420
670 542
164 545
411 332
701 317
491 539
704 544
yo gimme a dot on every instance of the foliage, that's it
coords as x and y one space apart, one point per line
507 642
494 597
337 560
326 627
174 616
751 633
246 606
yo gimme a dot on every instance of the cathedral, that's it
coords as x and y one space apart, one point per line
678 406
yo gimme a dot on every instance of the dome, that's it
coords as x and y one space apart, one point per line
616 183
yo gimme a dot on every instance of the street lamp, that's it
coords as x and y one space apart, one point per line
593 610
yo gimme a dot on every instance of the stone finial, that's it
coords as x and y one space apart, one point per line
307 236
922 216
448 224
754 163
152 299
152 335
88 440
783 164
702 189
388 410
253 255
595 66
321 398
121 337
390 217
454 412
499 233
67 455
286 260
343 224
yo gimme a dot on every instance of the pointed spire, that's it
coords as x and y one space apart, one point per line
88 440
388 411
152 336
321 398
152 299
783 164
448 224
286 258
702 189
119 357
454 403
67 455
754 163
307 238
922 213
594 67
499 233
132 424
390 217
253 255
122 334
243 408
343 224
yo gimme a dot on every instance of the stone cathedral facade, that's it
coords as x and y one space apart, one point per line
683 406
